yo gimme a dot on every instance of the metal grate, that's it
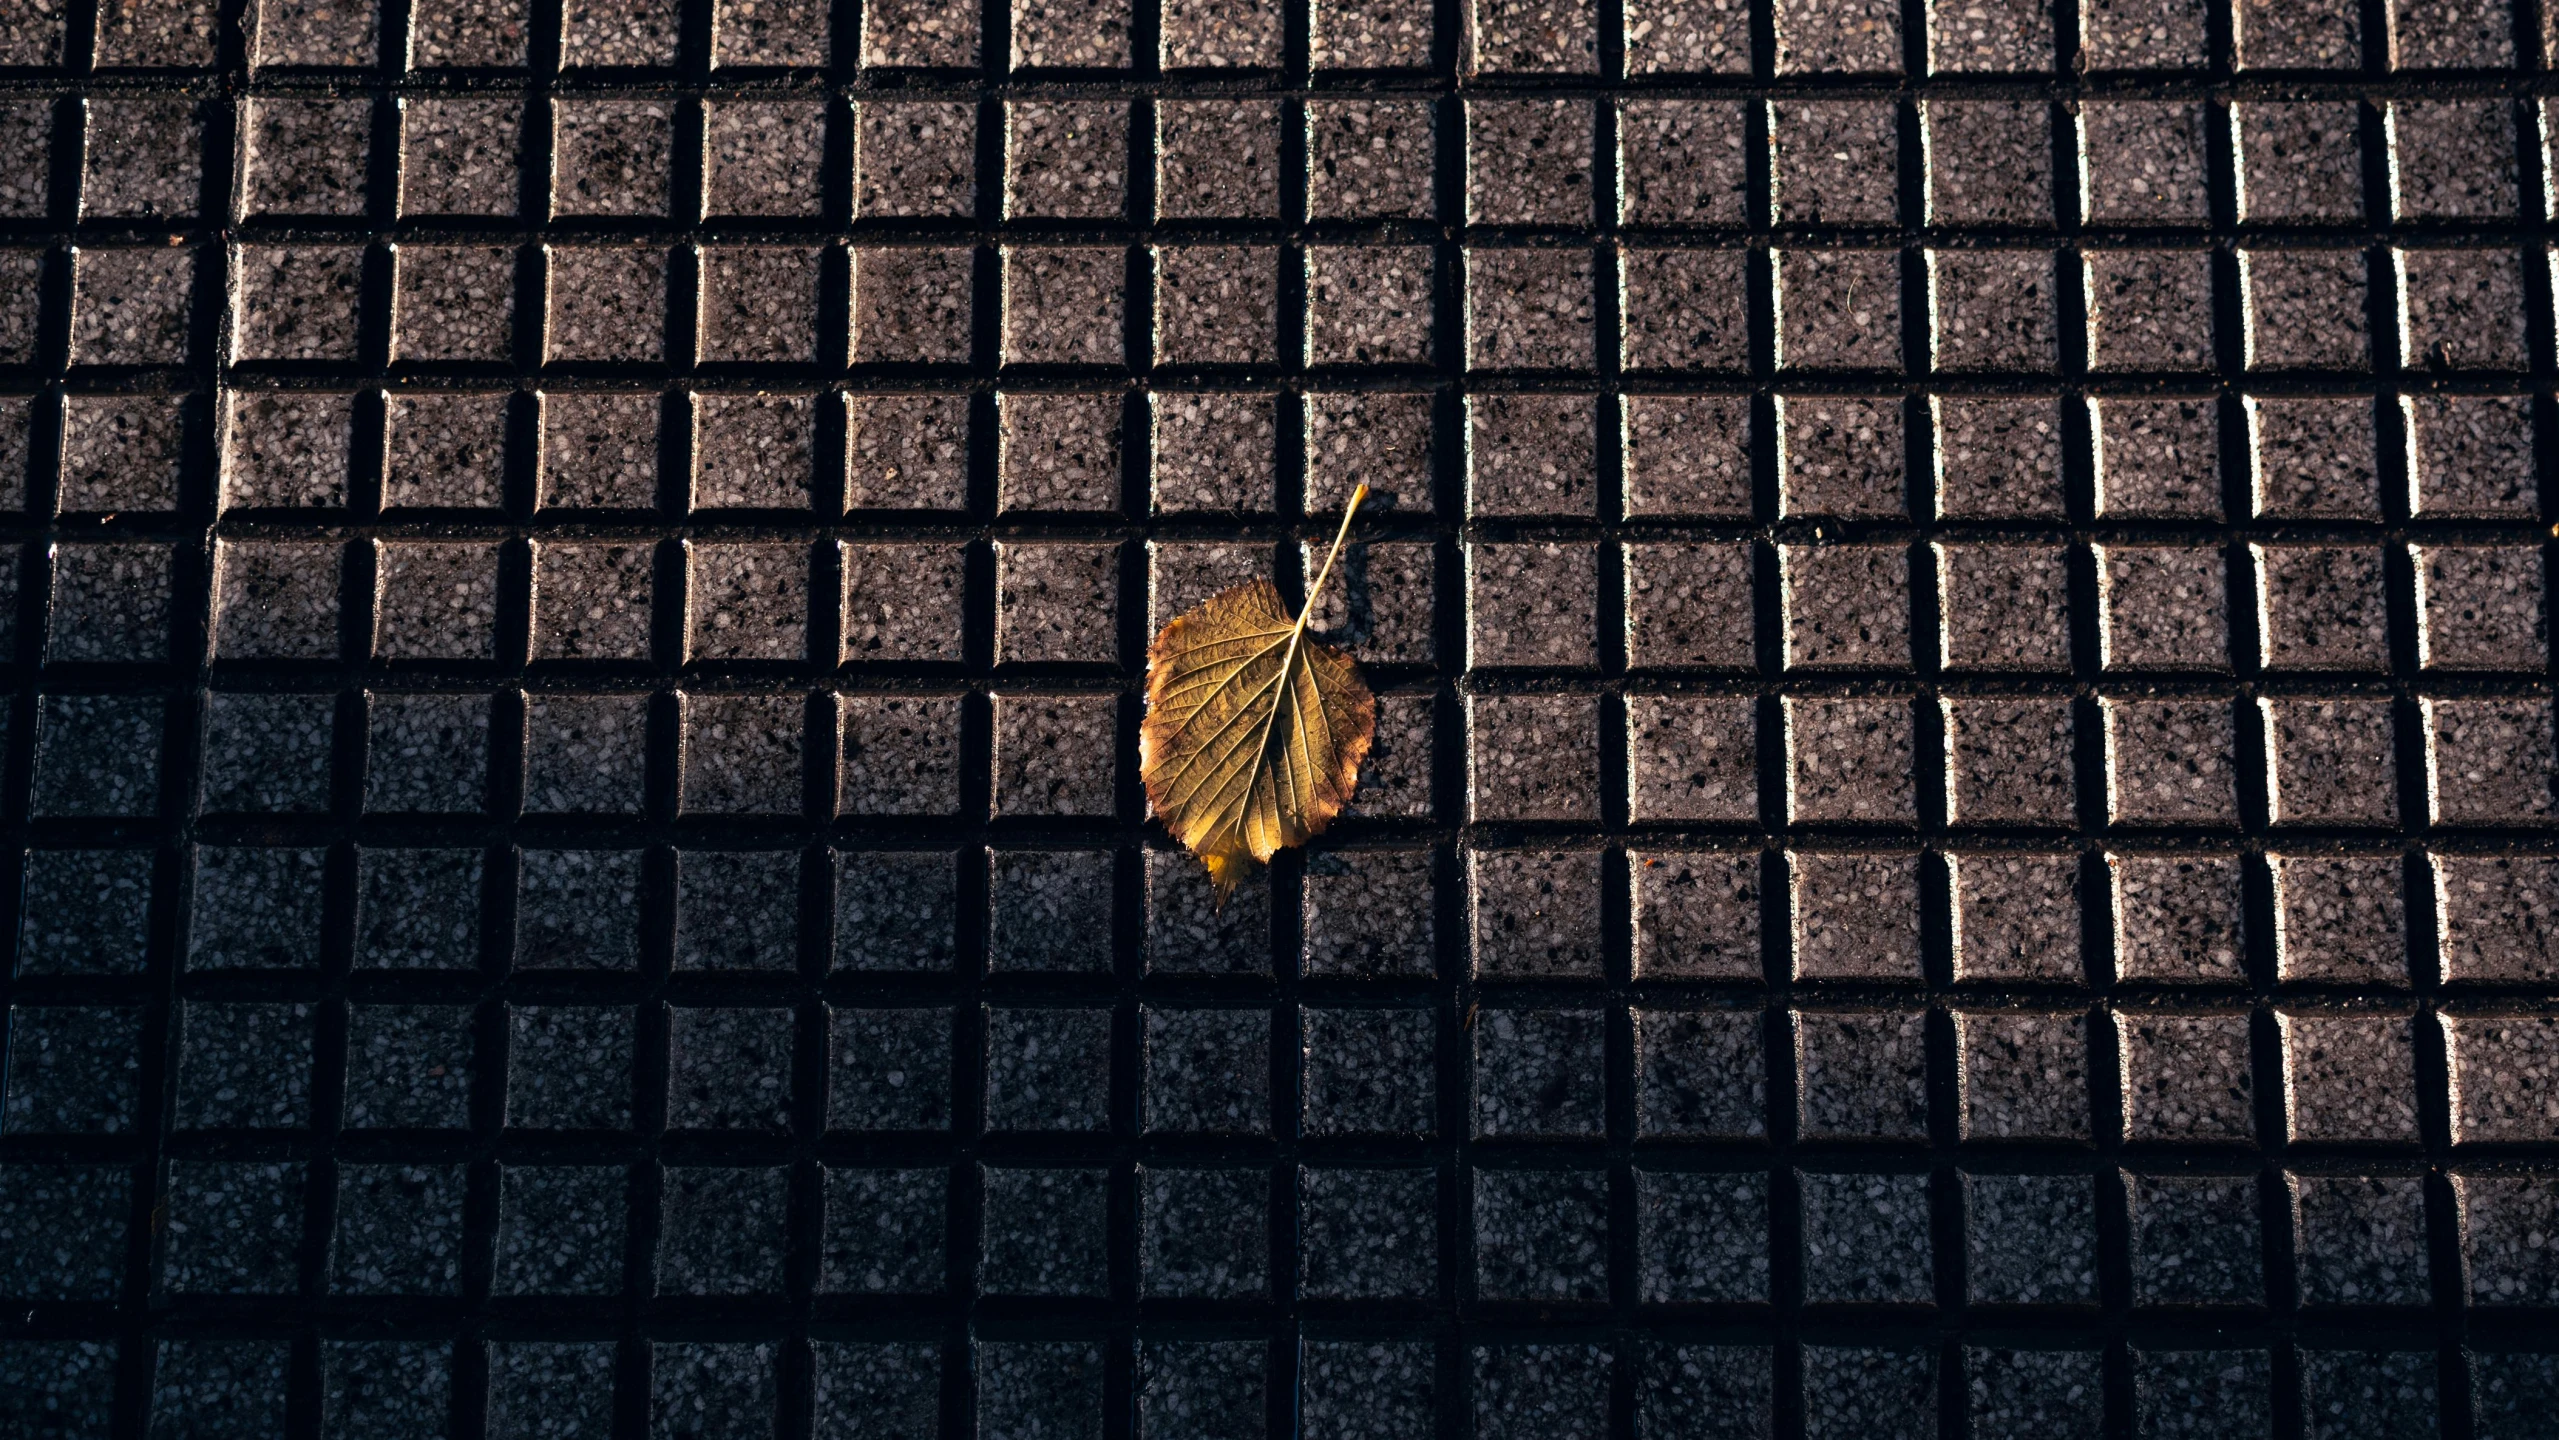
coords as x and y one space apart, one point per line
1961 839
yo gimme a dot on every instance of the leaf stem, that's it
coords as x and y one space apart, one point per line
1317 589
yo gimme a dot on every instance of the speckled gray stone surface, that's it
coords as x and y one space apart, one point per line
1959 604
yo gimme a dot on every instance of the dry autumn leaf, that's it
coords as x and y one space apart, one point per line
1254 733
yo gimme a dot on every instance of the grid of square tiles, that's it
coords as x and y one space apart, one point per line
1966 717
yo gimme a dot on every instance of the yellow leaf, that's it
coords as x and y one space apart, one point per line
1254 733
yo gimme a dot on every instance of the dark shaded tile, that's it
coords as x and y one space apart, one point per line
2195 1240
1208 1070
889 1070
1368 1234
408 1067
892 1390
1191 929
1701 1237
110 604
2035 1391
895 909
1540 1235
1866 1239
728 1068
1051 910
720 1230
560 1230
1048 1069
73 1070
399 1230
2360 1240
398 1390
741 754
1725 1388
1044 1235
65 1225
1203 1234
84 912
220 1389
1365 1389
2024 1075
1368 913
884 1231
244 1066
2202 1392
712 1390
1860 1075
1880 1393
1699 1073
578 909
1680 162
256 908
97 755
546 1388
2382 1394
1040 1388
233 1228
2030 1239
1539 1074
569 1067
